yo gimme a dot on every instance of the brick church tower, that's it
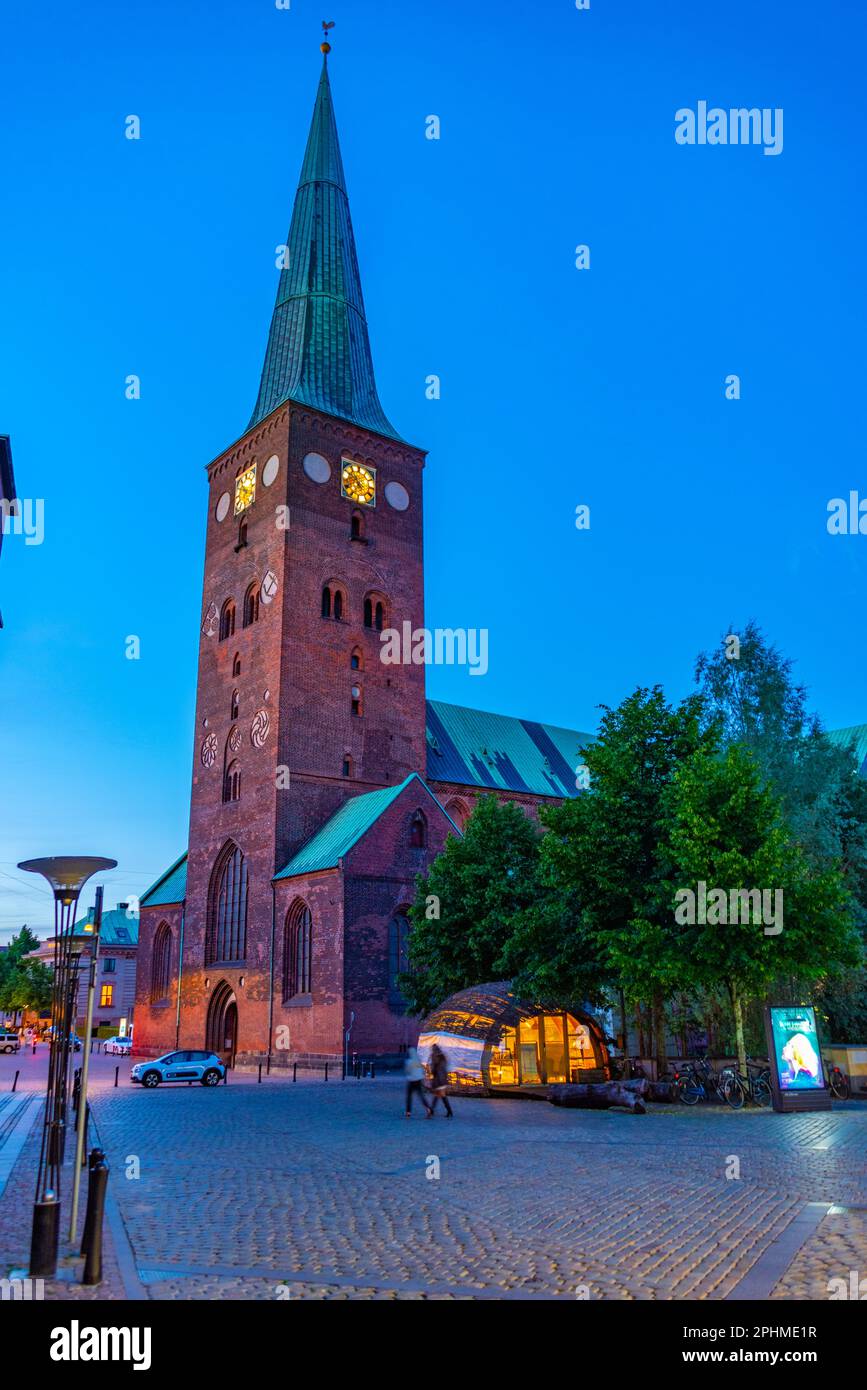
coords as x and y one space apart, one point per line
314 547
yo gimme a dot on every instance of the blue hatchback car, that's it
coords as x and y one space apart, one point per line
204 1067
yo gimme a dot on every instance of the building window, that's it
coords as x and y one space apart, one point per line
161 964
297 946
418 831
375 612
232 782
368 612
109 965
357 706
398 957
235 703
242 537
338 605
326 602
356 660
251 605
458 812
347 766
226 938
236 664
106 995
227 620
356 530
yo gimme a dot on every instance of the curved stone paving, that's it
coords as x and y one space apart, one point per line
320 1191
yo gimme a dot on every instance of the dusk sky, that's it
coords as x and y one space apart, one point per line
560 386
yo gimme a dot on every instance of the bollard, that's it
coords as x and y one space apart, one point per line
97 1184
294 1071
15 1080
372 1072
260 1073
326 1071
86 1122
34 1047
96 1157
116 1074
45 1238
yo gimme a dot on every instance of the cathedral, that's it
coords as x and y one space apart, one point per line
323 780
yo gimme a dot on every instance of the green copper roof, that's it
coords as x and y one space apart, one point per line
856 738
117 929
170 888
345 828
318 349
501 752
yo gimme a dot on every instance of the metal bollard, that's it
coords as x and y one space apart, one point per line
372 1072
15 1080
260 1073
116 1074
97 1184
85 1121
326 1071
294 1071
97 1156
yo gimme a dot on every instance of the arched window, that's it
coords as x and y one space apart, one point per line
242 537
338 605
357 706
232 782
375 612
226 938
297 945
161 964
234 705
398 957
227 620
251 605
356 532
236 664
418 831
347 766
356 660
326 602
458 812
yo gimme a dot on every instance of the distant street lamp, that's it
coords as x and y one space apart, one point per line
66 876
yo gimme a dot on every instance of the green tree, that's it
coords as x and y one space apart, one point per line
729 834
465 904
607 911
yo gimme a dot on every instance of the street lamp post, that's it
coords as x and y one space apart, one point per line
66 875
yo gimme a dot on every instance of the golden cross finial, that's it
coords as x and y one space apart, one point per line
325 46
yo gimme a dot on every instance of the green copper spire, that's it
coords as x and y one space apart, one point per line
318 350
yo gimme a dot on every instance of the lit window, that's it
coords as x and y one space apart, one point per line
358 483
245 490
106 994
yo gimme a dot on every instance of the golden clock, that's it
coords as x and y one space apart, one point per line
245 490
358 483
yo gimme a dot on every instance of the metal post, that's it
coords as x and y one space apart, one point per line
326 1071
93 1255
260 1073
294 1071
85 1063
116 1075
96 1156
15 1081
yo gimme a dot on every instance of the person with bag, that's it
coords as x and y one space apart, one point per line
414 1073
439 1081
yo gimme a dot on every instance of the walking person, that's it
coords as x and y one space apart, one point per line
439 1080
414 1072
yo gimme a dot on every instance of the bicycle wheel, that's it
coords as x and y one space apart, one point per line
689 1090
733 1092
761 1091
839 1084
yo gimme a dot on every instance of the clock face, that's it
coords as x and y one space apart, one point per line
245 490
358 483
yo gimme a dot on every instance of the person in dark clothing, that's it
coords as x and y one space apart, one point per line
414 1072
439 1080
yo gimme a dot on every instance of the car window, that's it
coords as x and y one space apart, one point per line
170 1059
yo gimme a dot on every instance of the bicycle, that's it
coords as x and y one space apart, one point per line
754 1086
837 1080
696 1080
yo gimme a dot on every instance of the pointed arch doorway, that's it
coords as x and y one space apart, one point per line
221 1034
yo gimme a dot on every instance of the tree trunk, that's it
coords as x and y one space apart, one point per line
623 1029
738 1011
659 1033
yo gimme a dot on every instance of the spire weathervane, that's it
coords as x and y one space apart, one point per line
325 46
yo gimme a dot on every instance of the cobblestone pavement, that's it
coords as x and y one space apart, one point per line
322 1192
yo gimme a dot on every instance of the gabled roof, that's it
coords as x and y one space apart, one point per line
345 828
318 349
117 929
170 888
856 737
499 751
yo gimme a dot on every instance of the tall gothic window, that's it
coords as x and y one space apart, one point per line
398 957
374 612
251 605
232 782
227 915
227 620
161 964
297 947
418 831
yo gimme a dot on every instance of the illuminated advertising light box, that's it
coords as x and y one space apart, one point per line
797 1074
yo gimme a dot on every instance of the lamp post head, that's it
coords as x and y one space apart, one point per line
67 873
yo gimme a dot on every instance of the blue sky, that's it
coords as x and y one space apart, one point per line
559 387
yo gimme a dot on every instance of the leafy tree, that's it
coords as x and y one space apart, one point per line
728 833
465 904
607 914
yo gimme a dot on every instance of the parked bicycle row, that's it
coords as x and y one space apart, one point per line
696 1080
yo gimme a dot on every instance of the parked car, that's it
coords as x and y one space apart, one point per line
118 1045
9 1040
204 1067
